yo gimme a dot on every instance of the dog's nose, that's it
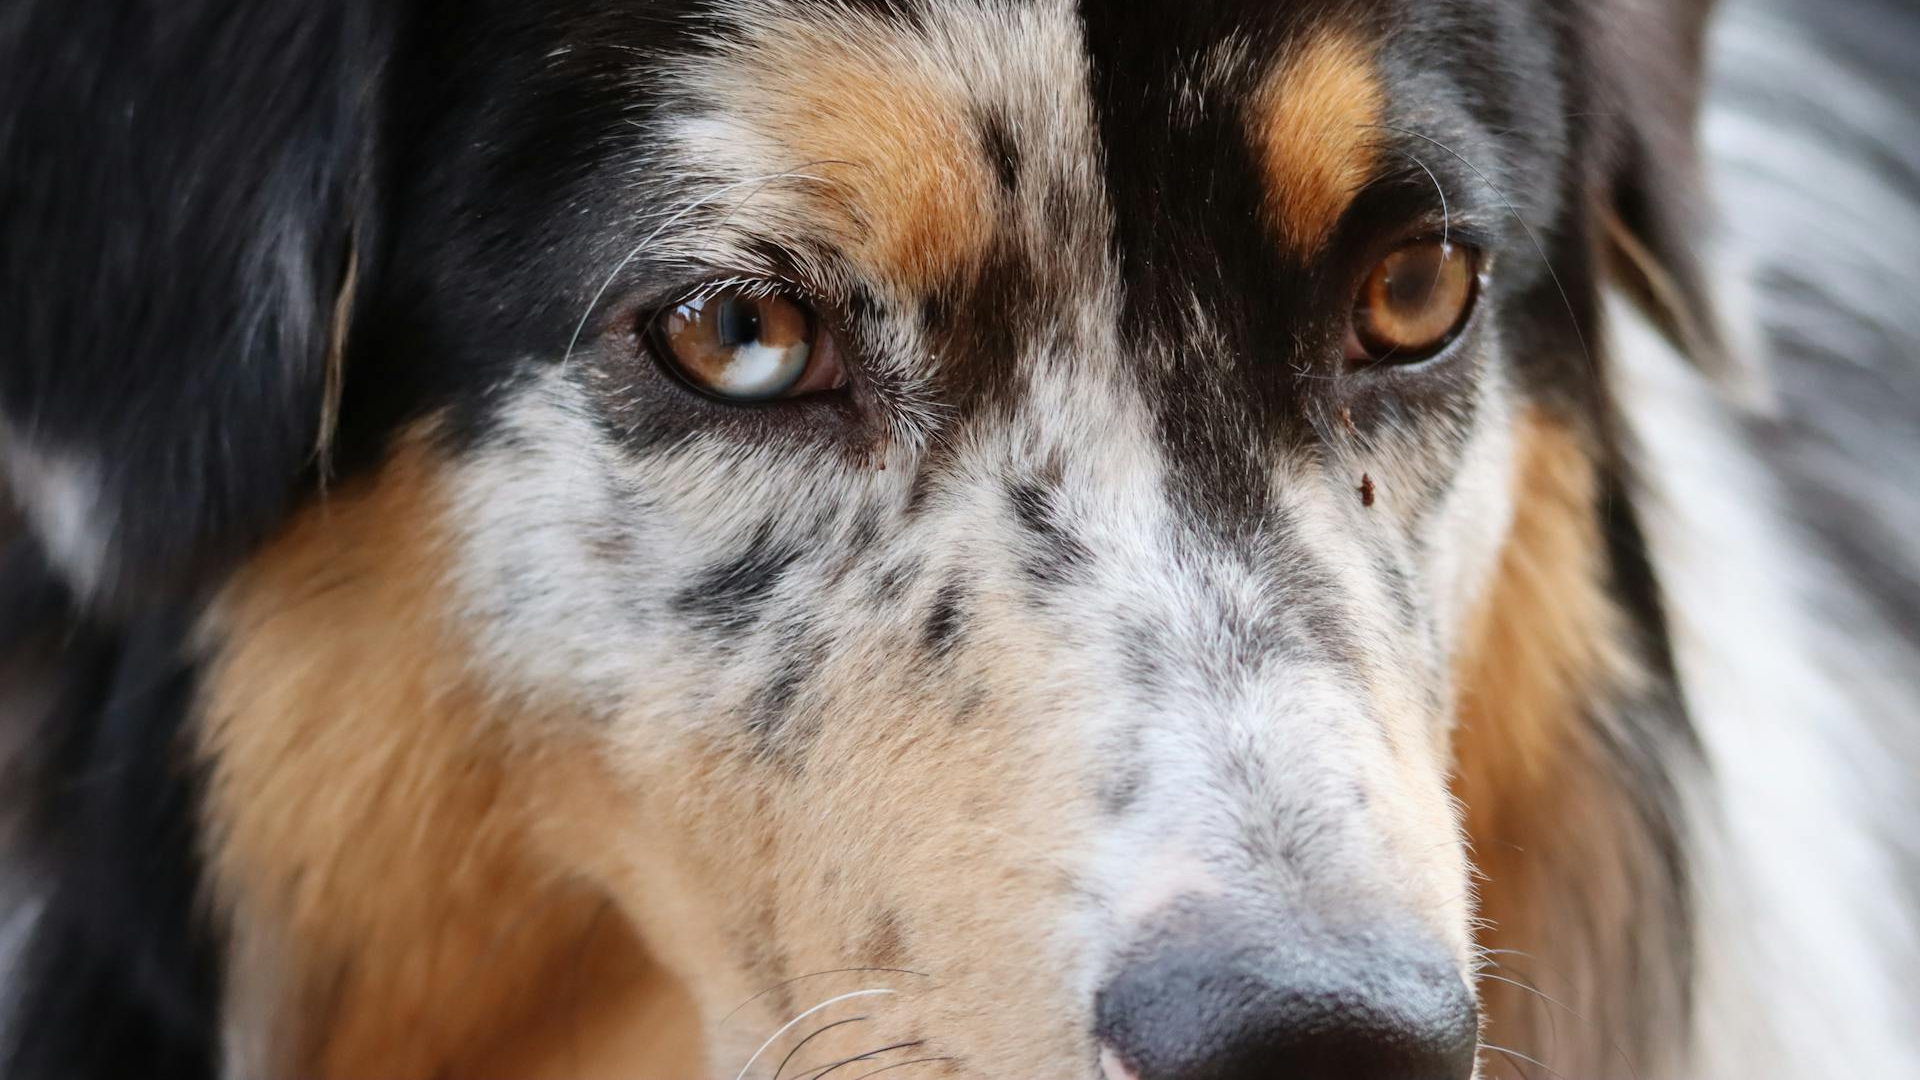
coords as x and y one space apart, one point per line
1369 1007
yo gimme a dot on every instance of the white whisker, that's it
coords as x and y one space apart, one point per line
789 1025
1540 249
675 218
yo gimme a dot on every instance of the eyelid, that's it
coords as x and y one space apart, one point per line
1471 230
815 276
657 302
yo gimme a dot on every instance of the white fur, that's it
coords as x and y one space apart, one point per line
1807 951
61 495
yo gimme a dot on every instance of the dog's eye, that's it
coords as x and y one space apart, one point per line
1413 303
747 343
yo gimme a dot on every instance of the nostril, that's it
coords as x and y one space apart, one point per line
1305 1009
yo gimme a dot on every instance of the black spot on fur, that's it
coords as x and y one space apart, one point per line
946 622
968 710
933 310
1056 553
1315 616
920 494
1123 777
1002 150
1144 654
727 598
782 733
1031 506
981 328
774 703
1399 587
866 532
892 583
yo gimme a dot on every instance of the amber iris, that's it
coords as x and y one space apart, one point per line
1414 302
747 343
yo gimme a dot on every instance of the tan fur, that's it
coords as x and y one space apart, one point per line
717 861
608 1023
335 376
1560 859
366 841
385 840
875 114
1536 642
1311 133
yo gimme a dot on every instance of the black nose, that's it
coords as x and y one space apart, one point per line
1191 1006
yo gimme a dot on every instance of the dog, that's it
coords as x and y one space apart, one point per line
1024 538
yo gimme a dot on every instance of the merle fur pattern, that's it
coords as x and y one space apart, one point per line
190 186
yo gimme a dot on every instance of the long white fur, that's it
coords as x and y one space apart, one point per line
1806 946
1809 937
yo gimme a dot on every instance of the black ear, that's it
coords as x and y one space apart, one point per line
1646 61
186 186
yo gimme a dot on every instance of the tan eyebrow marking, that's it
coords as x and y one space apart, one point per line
891 132
1312 120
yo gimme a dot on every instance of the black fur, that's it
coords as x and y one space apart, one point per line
1056 552
947 620
727 597
782 733
1002 150
184 186
119 976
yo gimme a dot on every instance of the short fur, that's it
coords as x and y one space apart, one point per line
402 675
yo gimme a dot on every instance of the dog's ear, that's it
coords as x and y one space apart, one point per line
187 199
1645 60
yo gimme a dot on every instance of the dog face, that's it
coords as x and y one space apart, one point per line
972 525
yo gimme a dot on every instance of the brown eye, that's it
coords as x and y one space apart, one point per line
1414 302
748 343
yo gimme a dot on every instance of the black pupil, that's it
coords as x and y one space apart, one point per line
1412 277
739 322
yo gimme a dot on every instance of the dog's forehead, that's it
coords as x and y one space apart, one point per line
911 137
987 190
972 159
